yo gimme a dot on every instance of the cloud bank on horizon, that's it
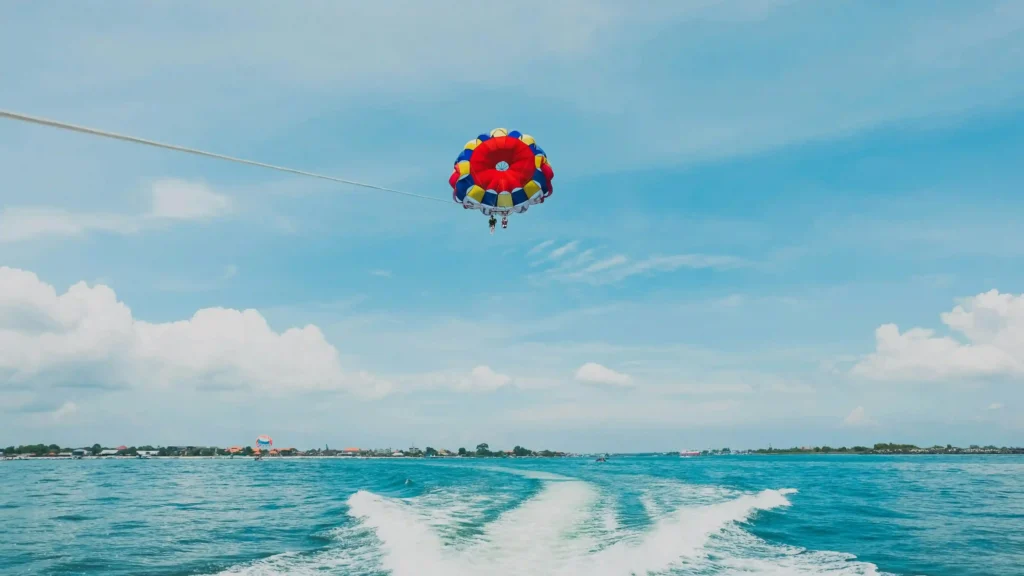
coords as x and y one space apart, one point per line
752 242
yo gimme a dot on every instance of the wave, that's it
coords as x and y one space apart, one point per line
354 550
569 527
531 474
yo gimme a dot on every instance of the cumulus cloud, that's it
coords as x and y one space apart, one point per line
594 373
995 406
990 327
484 378
172 200
87 337
65 410
857 417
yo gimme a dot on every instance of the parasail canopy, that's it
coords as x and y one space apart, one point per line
264 441
500 173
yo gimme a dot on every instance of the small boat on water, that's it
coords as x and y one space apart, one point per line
689 453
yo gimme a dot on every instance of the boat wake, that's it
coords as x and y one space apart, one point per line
567 528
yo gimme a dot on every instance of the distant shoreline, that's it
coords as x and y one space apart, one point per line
296 457
482 451
574 457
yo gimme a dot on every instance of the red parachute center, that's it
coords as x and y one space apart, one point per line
502 164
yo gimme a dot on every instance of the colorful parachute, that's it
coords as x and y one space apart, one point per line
501 173
264 442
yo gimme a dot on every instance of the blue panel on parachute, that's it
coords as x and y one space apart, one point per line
463 186
542 180
490 198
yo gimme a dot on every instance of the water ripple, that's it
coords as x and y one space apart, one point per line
857 515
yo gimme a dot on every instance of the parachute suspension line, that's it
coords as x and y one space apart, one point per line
133 139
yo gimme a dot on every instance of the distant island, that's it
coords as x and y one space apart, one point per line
482 450
881 448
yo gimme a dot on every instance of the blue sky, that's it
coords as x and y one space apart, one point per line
744 194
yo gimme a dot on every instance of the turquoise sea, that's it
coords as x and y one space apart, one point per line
801 515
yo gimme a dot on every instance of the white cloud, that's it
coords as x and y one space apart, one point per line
558 253
484 378
857 417
599 266
183 200
65 410
995 406
677 261
611 269
87 337
540 247
479 379
318 54
381 273
594 373
19 223
991 326
171 200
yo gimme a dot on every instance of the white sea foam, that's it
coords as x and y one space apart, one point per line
741 553
610 521
529 539
357 553
532 474
568 528
679 538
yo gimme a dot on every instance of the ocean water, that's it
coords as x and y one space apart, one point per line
740 515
